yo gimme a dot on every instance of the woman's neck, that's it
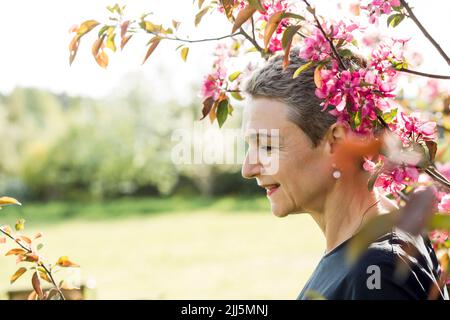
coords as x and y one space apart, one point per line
345 209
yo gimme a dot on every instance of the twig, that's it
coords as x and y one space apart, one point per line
198 40
432 172
424 31
40 263
255 44
429 75
333 48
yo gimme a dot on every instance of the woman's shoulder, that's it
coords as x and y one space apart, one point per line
398 265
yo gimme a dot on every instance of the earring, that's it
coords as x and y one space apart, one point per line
336 172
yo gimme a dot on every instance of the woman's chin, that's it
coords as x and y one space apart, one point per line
278 211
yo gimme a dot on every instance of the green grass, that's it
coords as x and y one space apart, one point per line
183 249
59 211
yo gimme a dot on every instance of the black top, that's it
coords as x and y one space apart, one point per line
388 270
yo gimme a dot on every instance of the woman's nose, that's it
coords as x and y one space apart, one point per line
250 169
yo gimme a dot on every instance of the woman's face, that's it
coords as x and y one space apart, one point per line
295 174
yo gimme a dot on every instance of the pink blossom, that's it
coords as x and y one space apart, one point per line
438 237
395 180
412 128
315 47
444 204
378 7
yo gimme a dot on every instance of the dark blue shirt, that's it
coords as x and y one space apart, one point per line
397 266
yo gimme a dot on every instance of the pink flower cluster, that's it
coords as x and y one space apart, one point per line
363 90
411 128
214 81
378 7
316 47
272 7
393 178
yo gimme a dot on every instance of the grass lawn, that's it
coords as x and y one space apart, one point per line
174 248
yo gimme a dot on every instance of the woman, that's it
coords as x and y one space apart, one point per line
286 130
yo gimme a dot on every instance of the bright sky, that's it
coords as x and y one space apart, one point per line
35 42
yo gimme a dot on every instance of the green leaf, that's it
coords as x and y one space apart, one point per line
357 118
222 112
20 225
388 117
87 26
200 14
184 53
110 43
345 53
395 19
234 75
288 35
293 16
440 221
102 30
40 246
302 68
257 5
237 96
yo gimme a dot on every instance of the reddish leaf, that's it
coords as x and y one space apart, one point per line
207 105
272 26
154 43
318 77
17 274
15 251
432 148
124 41
102 59
32 296
37 235
65 262
242 17
31 257
24 239
97 45
36 282
2 240
73 48
228 6
124 28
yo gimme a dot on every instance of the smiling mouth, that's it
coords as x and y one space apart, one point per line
271 188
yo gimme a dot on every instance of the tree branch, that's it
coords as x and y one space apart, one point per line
333 48
198 40
423 74
40 263
413 17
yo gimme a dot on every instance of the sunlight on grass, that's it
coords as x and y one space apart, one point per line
203 254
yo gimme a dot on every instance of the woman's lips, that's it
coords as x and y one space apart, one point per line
271 189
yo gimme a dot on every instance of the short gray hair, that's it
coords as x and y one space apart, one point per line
272 81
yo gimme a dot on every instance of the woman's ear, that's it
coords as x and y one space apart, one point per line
335 135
